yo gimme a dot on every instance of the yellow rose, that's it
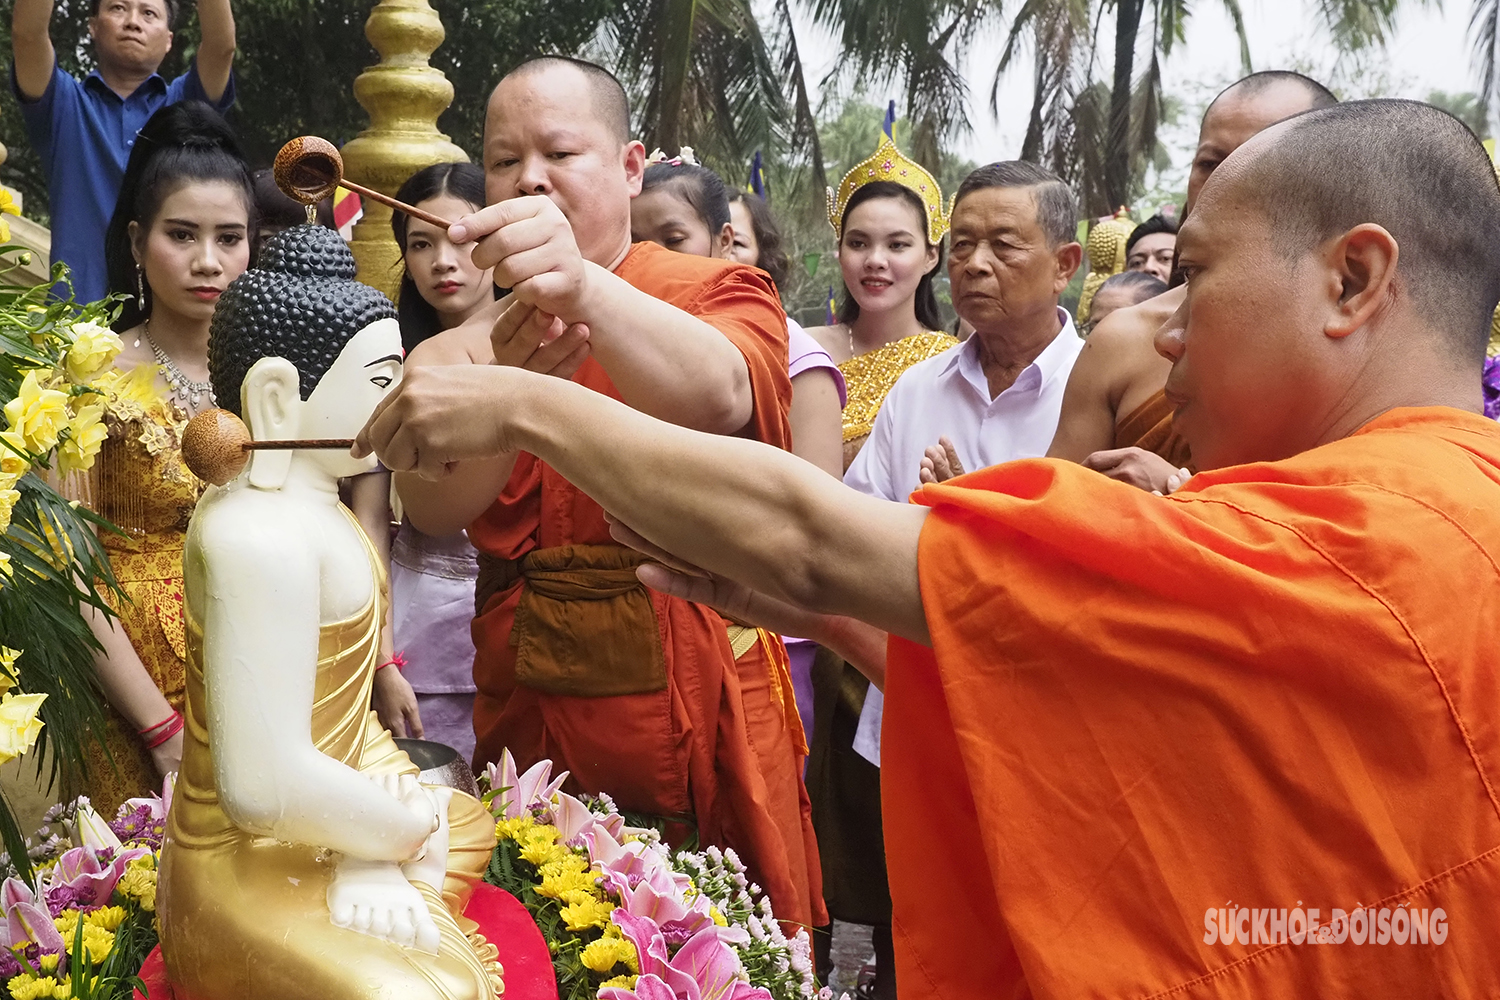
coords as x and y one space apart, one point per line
86 432
38 414
19 725
94 349
8 500
8 658
13 461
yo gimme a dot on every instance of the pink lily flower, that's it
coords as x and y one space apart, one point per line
703 969
678 921
516 794
91 830
26 921
87 880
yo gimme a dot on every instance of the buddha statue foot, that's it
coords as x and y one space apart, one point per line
375 898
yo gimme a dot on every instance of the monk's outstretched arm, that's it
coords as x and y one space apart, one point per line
739 509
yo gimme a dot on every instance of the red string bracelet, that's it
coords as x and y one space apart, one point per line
151 729
168 729
397 660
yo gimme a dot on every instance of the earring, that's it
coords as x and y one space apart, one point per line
140 288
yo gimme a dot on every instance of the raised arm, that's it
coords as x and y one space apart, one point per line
662 360
737 508
260 667
216 47
31 46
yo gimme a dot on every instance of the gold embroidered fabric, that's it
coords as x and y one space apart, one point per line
246 917
140 484
871 375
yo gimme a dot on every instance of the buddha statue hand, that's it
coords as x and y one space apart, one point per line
375 898
418 798
431 866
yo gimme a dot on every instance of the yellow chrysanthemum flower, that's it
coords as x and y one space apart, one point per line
606 953
8 204
19 725
94 348
717 917
623 982
106 917
514 829
48 963
38 414
98 942
85 434
29 987
139 883
586 913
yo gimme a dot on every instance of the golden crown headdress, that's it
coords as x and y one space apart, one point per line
889 164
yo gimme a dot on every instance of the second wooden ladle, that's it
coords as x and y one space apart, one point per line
309 169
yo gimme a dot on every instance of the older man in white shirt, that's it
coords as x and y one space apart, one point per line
997 396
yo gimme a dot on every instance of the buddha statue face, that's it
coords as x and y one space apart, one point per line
364 370
300 349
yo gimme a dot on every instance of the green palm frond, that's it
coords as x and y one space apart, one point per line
1484 25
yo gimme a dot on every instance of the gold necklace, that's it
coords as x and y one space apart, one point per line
179 384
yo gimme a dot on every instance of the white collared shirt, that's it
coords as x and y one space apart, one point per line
949 395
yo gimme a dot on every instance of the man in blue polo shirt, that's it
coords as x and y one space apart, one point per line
84 129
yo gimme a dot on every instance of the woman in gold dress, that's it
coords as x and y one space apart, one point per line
179 236
890 220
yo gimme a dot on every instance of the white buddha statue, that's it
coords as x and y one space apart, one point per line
303 859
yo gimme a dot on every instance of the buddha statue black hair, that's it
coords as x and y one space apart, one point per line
300 302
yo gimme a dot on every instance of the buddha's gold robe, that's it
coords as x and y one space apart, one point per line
245 917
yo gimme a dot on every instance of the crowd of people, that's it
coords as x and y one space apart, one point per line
1226 644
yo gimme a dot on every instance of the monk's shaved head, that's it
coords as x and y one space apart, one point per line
1407 167
610 105
1313 94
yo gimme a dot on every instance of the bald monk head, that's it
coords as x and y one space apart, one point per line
561 128
1114 418
1244 108
1339 265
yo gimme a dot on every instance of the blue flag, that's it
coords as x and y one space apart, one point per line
757 184
889 125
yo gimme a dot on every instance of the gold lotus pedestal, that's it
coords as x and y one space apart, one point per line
404 96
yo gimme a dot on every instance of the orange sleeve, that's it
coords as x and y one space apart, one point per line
744 307
1158 705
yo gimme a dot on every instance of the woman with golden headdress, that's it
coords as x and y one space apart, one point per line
890 219
179 236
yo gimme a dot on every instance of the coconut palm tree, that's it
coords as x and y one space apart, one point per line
706 75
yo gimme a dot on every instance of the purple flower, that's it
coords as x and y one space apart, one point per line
1491 382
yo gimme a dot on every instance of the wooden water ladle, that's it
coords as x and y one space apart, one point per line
216 444
309 169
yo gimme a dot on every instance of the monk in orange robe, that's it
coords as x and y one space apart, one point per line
1115 418
665 705
1237 741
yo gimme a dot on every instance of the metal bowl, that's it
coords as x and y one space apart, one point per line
440 764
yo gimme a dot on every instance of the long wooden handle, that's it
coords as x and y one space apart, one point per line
344 443
400 206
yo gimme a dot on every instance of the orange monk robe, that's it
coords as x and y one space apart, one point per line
1149 426
720 745
1275 688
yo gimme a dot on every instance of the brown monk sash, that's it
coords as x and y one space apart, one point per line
584 625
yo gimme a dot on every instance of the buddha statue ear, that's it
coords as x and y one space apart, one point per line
272 408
